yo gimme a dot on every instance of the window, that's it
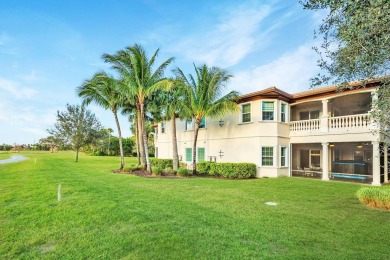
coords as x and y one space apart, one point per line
188 124
307 115
283 156
283 110
246 113
267 156
268 111
200 154
315 158
188 154
163 127
203 123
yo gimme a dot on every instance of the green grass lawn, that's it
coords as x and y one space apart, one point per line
107 215
6 155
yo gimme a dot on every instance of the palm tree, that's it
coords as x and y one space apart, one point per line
173 102
102 89
204 97
136 70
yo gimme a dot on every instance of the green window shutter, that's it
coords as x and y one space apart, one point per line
201 154
188 154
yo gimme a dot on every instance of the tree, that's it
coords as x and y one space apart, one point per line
204 97
102 89
356 46
75 126
140 81
172 103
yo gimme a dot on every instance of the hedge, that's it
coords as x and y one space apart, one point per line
227 170
378 197
161 163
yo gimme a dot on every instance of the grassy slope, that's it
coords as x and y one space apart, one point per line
110 215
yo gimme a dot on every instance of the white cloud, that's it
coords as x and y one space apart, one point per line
230 40
16 90
290 72
33 76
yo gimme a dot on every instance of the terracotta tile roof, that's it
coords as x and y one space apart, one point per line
270 90
312 92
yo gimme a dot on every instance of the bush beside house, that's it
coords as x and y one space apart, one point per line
227 170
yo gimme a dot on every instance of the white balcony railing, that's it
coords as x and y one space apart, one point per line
305 125
361 121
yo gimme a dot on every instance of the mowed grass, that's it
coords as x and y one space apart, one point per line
107 215
6 155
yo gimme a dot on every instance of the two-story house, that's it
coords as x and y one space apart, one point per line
320 133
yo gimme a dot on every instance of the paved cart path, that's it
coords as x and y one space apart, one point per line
14 158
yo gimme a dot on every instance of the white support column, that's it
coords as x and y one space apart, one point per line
324 123
386 164
376 167
374 106
325 162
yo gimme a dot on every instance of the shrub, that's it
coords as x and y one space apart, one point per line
157 170
203 167
162 163
378 197
100 153
134 167
183 172
228 170
182 165
169 171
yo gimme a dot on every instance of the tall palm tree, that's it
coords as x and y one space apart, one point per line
102 89
204 97
172 104
141 81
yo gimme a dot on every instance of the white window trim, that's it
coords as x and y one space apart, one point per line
287 112
274 156
286 157
165 127
240 114
276 110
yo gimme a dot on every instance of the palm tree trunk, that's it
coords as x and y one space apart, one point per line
137 140
145 139
77 155
120 140
140 133
174 143
194 146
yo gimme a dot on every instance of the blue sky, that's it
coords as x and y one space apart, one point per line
48 48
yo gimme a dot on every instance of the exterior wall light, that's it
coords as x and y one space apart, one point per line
221 123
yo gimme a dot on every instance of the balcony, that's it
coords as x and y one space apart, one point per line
305 126
335 124
346 123
348 113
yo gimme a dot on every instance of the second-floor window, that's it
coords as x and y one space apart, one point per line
268 110
308 115
163 127
283 112
188 125
246 113
203 123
